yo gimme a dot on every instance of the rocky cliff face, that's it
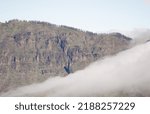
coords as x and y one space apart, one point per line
32 51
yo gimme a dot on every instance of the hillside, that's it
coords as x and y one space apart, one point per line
32 51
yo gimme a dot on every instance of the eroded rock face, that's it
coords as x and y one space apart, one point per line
33 51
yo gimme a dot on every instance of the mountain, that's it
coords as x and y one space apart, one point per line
32 51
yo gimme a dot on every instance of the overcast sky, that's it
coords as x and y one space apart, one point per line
92 15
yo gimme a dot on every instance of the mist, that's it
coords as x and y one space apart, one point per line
124 74
139 35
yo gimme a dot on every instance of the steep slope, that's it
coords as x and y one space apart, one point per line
33 51
125 74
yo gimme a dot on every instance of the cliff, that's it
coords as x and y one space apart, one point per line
33 51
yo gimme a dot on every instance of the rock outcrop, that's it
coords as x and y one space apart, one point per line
33 51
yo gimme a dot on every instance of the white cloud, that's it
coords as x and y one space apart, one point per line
139 35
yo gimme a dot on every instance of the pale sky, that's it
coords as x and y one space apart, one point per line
92 15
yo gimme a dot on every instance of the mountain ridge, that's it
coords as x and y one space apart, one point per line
32 51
